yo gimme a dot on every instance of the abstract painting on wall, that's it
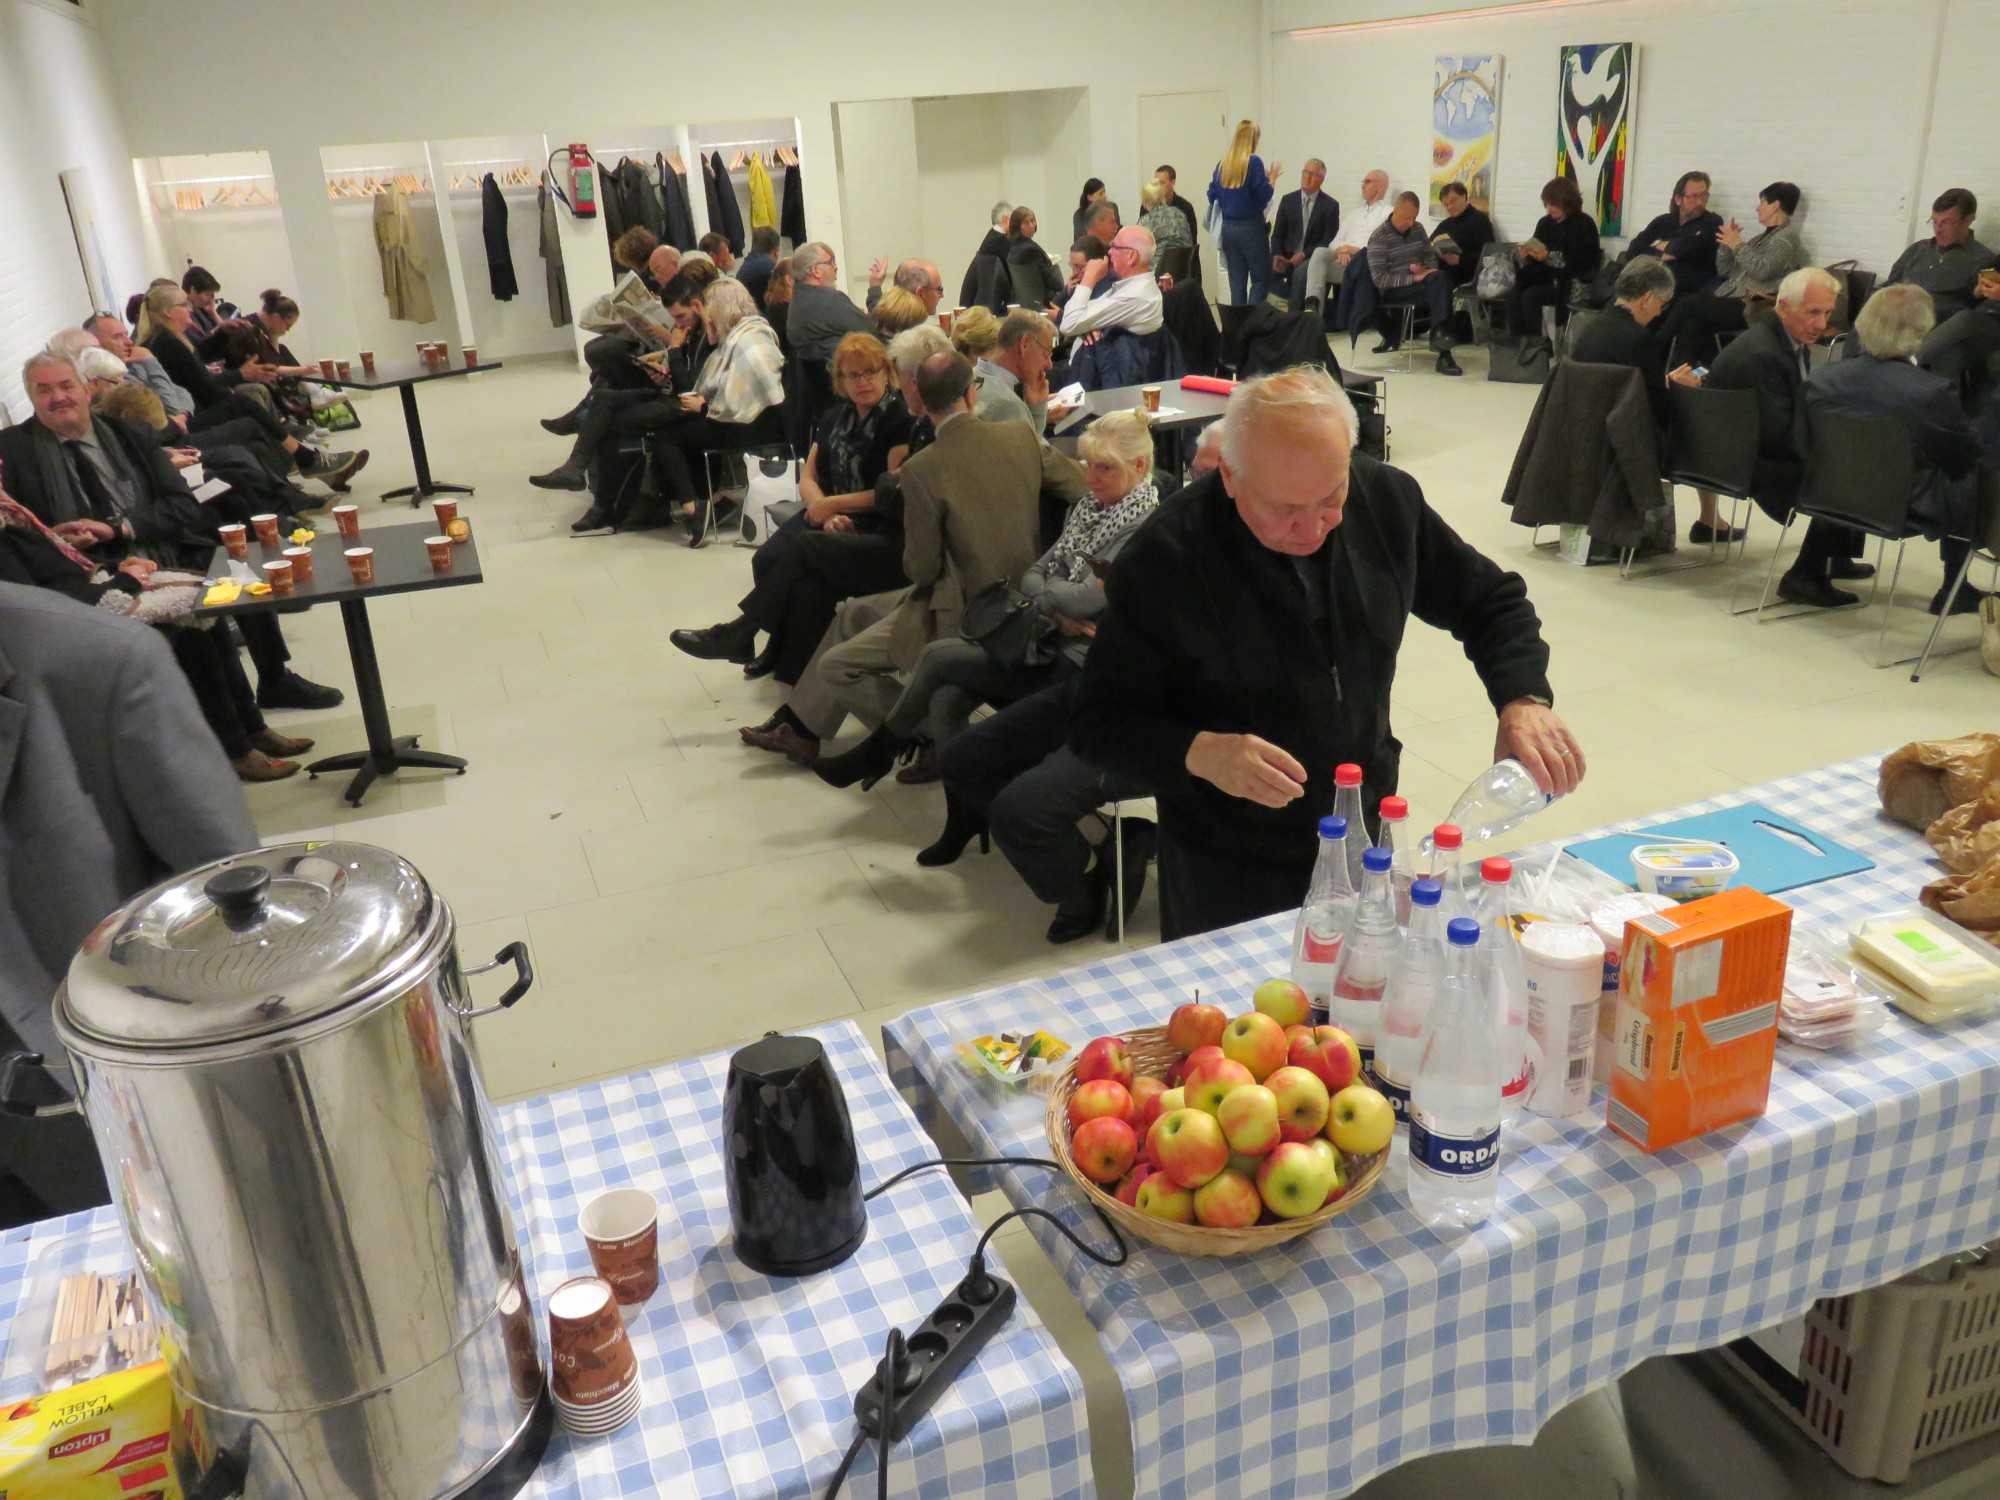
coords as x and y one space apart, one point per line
1465 126
1594 127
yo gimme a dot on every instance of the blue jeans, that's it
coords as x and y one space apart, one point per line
1246 254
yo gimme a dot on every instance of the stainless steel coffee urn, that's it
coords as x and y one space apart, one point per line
275 1058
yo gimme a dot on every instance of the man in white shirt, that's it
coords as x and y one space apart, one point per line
1133 303
1328 266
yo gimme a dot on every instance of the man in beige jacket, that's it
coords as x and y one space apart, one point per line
972 516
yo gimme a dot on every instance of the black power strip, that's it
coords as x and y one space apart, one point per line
932 1356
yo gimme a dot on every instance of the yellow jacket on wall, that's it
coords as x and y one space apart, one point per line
403 266
763 202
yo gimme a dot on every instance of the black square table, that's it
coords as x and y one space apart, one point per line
405 375
402 566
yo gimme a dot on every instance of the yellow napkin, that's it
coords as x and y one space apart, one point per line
303 537
220 593
256 589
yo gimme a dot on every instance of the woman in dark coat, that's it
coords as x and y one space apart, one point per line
1563 250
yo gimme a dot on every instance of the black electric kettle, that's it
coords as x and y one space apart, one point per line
789 1161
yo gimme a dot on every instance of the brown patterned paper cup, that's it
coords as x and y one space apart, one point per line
1150 394
591 1361
944 320
361 563
447 512
301 559
266 527
368 360
235 540
622 1228
471 355
348 519
279 576
342 368
326 368
439 548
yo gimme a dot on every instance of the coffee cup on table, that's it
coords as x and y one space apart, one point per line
447 512
301 559
622 1228
279 575
368 360
266 527
361 564
471 355
348 519
1150 394
326 368
342 368
235 540
439 547
593 1369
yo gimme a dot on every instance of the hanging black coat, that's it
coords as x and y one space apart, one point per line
792 217
675 212
611 198
635 194
729 222
707 165
493 228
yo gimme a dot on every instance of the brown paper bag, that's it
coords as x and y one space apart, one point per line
1968 836
1972 901
1925 779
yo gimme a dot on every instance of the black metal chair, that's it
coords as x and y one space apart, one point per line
1859 473
1174 261
1985 541
1711 446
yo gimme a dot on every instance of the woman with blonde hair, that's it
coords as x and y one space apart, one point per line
898 309
1241 191
954 675
975 333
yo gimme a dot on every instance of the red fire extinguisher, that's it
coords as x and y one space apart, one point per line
582 184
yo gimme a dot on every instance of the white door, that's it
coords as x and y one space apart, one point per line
1188 131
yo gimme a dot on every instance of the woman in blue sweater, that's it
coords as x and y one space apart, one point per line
1241 189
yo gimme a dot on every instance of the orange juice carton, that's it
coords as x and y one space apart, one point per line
1697 1018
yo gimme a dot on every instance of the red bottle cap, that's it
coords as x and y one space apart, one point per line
1395 808
1347 775
1447 836
1496 871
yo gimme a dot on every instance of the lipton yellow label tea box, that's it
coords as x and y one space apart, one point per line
105 1439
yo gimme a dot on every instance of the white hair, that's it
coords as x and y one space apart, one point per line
1002 212
100 364
1792 290
1123 436
1211 437
728 303
696 256
50 357
806 259
909 349
1893 322
1282 397
1143 243
73 341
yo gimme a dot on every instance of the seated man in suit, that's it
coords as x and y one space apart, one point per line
1684 237
1772 359
1404 271
1307 221
971 517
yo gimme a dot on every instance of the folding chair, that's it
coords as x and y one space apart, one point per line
1174 261
1985 541
1859 473
1116 820
1712 446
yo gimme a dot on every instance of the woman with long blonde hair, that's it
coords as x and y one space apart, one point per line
1241 191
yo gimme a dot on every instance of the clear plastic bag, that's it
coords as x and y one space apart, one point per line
1830 1001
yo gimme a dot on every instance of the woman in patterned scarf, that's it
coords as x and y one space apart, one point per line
954 676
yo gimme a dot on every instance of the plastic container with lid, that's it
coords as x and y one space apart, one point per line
1608 919
1935 973
1562 964
1686 869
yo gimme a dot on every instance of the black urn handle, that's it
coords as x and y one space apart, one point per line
239 893
515 953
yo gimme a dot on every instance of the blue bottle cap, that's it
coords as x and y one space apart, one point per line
1462 931
1331 827
1376 860
1426 893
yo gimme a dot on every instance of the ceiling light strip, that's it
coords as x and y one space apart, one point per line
1434 18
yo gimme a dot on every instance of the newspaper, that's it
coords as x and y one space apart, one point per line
630 307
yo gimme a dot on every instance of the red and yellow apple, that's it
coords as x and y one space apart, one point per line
1187 1146
1131 1182
1178 1074
1257 1042
1146 1094
1105 1057
1104 1148
1294 1180
1336 1163
1303 1102
1329 1052
1228 1200
1283 1001
1163 1198
1099 1098
1211 1083
1194 1026
1360 1121
1248 1115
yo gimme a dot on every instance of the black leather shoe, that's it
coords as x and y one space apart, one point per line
566 425
1082 910
762 665
1702 533
1849 570
563 478
594 522
867 763
961 823
735 641
1446 365
1387 346
1967 602
1795 588
294 691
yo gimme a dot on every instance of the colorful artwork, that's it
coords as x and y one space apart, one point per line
1465 126
1594 127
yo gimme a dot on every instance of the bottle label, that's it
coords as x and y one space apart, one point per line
1398 1094
1462 1158
1318 950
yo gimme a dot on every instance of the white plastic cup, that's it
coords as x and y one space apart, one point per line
1563 966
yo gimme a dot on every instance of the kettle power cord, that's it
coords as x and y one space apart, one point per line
915 1370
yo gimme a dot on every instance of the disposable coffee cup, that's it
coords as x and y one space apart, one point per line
301 559
348 519
326 368
471 355
1150 394
361 563
368 360
235 540
944 319
266 527
447 512
622 1227
591 1361
342 368
439 548
279 575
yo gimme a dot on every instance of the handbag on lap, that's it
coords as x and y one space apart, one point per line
1007 625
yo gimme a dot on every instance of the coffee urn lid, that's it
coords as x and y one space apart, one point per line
250 946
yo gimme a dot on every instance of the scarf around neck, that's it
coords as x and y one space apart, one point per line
1091 527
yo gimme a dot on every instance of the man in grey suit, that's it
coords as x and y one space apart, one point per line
1012 383
112 780
821 314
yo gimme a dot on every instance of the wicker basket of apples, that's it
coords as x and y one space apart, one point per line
1220 1136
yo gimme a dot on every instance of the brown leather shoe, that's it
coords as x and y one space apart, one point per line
922 767
257 766
785 741
279 745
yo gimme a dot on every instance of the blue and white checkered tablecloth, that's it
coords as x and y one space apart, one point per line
1308 1369
749 1380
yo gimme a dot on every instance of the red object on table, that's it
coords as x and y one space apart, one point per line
1209 383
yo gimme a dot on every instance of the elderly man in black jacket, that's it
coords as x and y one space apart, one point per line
1250 647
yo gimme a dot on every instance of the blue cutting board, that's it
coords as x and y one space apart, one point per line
1772 862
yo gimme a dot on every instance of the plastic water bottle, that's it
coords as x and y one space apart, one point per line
1501 797
1442 865
1500 949
1454 1172
1347 806
1406 1005
1402 869
1323 919
1367 955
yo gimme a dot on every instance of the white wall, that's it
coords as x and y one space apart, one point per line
56 114
1835 95
976 149
452 68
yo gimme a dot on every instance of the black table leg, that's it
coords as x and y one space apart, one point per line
386 752
425 486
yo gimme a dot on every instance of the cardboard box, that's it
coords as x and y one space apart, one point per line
1697 1029
106 1439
